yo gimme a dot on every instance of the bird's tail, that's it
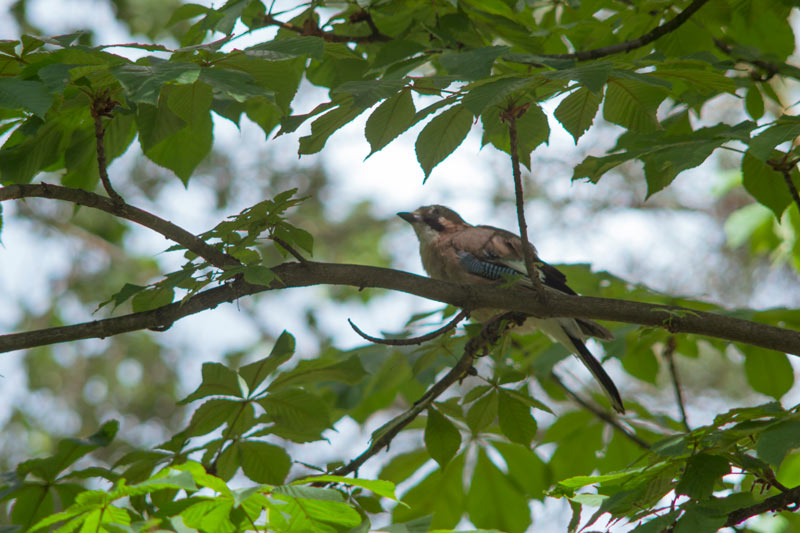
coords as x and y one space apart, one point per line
598 372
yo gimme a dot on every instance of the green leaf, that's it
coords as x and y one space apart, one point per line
403 466
218 380
367 93
349 371
263 462
378 486
532 130
441 136
483 412
281 49
442 438
20 162
390 119
777 441
642 364
259 275
123 295
525 468
67 452
486 94
255 373
577 111
633 104
701 474
447 507
212 415
657 524
766 184
592 75
298 415
312 508
25 94
472 64
152 298
143 83
743 223
234 83
785 129
768 372
186 11
754 102
493 501
325 126
515 418
183 150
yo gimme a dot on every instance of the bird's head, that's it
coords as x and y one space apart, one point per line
431 221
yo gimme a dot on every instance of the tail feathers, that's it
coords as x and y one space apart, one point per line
599 374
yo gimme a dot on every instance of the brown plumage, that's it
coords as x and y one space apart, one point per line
454 250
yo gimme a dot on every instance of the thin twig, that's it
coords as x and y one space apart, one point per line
633 44
785 167
600 413
510 115
312 29
770 69
102 106
166 228
669 355
490 333
412 340
288 247
293 274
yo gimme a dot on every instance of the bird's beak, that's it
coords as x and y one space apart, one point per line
411 218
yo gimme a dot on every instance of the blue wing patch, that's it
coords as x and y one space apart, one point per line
484 269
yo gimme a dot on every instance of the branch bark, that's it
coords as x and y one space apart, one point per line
673 318
653 35
788 500
166 228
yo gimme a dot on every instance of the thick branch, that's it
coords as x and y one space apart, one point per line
785 501
675 319
166 228
653 35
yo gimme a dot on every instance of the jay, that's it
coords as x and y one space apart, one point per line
456 251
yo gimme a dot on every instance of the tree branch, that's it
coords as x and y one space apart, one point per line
510 115
412 340
600 413
311 28
488 336
653 35
673 318
88 199
669 355
786 501
785 165
102 106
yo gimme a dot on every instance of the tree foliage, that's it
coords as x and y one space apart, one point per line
483 437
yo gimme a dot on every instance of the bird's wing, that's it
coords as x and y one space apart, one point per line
491 252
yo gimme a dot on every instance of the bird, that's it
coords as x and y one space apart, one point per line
453 250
